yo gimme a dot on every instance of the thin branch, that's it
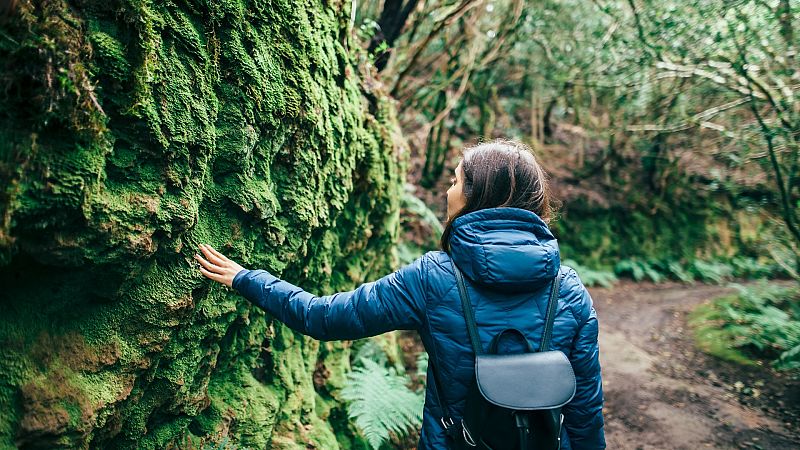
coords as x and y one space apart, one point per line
686 71
640 30
452 101
454 15
700 119
788 214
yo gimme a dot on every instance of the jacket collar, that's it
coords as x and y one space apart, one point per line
505 249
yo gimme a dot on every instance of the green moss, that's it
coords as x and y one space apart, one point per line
703 227
227 123
712 338
112 54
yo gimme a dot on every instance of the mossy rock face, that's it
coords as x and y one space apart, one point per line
130 132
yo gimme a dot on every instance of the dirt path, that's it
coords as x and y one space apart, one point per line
662 394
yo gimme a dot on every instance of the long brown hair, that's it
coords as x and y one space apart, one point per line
502 173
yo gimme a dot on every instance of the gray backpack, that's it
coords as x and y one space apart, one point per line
515 400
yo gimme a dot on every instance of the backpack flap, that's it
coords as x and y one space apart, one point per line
526 381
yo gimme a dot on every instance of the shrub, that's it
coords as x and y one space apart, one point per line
761 321
592 277
639 269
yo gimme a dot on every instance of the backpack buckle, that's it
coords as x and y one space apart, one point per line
449 430
445 423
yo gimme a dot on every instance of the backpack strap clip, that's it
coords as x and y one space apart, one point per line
447 422
449 429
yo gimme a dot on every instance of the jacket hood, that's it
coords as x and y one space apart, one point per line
505 249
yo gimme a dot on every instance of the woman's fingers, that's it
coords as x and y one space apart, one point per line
208 266
214 259
226 279
217 267
216 253
213 276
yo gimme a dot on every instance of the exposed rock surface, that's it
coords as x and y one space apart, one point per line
131 131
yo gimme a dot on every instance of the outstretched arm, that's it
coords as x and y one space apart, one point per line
396 301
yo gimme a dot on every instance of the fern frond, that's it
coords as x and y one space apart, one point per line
380 403
590 276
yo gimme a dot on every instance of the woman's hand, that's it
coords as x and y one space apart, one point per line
216 266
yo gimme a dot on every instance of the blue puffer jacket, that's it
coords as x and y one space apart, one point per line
509 258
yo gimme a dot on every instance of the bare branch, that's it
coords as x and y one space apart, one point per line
453 100
454 15
700 119
687 71
786 201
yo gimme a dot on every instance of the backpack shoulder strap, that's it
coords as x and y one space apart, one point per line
447 420
550 318
469 316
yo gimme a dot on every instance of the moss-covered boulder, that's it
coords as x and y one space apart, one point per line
131 131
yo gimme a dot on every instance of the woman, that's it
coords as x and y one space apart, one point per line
496 233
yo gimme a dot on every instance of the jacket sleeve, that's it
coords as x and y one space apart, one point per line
583 416
396 301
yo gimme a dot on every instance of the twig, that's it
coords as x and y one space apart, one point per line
465 6
699 119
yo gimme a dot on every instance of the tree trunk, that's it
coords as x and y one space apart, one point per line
391 22
130 133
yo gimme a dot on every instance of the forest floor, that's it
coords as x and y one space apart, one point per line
662 393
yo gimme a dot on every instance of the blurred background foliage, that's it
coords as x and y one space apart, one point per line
670 130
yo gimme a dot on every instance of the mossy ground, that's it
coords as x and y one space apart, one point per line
711 336
756 325
132 131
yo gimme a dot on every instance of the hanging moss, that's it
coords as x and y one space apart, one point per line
131 131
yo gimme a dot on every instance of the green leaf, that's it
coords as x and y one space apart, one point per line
380 403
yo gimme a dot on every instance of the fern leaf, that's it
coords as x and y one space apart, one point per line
380 403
